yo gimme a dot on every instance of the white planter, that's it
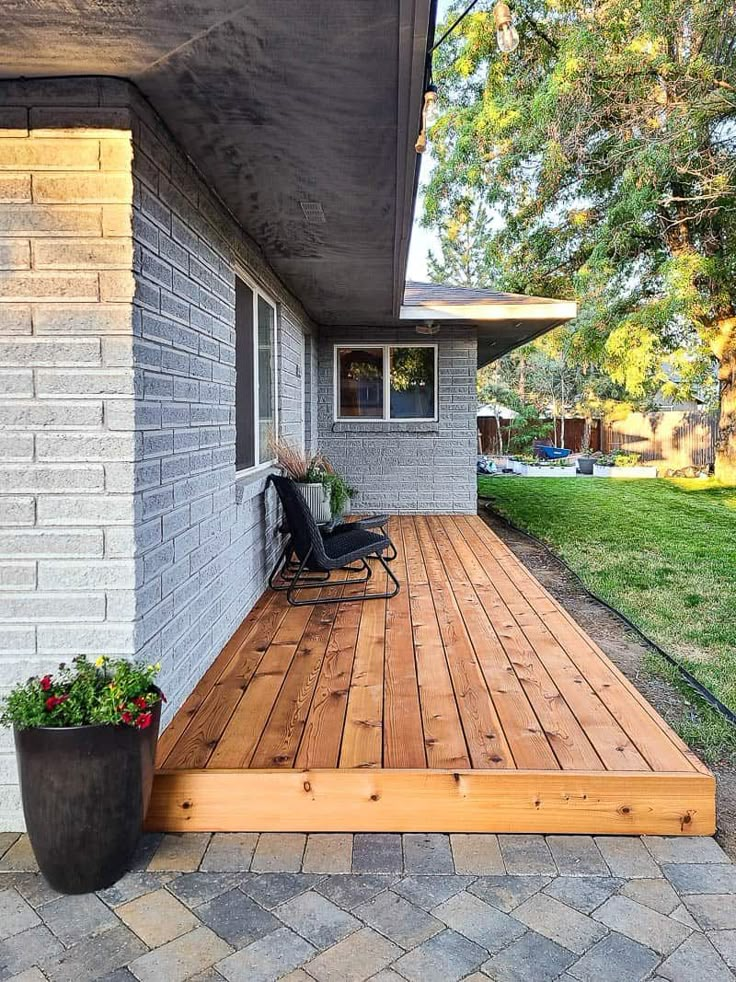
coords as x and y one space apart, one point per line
516 466
317 497
535 470
639 471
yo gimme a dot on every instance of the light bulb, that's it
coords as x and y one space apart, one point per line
431 108
506 34
507 38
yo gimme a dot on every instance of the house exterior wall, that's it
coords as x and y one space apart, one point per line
124 529
407 467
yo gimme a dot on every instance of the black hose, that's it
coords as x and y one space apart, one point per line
702 691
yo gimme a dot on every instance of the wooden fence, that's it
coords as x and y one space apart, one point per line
670 439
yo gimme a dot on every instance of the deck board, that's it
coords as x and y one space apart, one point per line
473 673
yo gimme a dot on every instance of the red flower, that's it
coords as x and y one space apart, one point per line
53 701
126 717
144 721
140 702
46 683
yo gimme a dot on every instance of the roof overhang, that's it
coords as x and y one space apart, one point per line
277 102
503 321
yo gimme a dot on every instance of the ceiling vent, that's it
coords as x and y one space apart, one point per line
313 212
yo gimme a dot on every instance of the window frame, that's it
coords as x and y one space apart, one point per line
257 292
386 348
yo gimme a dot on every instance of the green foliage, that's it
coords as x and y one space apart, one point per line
604 152
411 368
340 492
525 429
115 692
619 458
655 550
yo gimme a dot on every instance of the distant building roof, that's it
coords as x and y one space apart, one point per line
497 409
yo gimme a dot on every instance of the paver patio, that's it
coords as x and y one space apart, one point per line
431 908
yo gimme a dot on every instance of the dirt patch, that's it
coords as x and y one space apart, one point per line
623 647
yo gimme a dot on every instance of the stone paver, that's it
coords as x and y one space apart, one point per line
507 892
22 951
695 959
181 853
400 920
584 893
380 853
317 919
713 912
95 957
280 853
725 942
328 853
684 849
477 854
19 858
627 856
357 958
181 958
614 959
267 959
6 841
428 854
412 917
16 914
526 854
577 855
642 924
157 918
559 923
657 894
237 919
531 957
428 891
74 918
692 878
478 921
272 889
350 891
448 956
194 889
230 852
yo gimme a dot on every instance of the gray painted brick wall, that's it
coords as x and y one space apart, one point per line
123 527
407 467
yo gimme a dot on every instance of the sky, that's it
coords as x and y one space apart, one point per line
423 239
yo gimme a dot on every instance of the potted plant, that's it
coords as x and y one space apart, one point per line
586 460
308 472
85 740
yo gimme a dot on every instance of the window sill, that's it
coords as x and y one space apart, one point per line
252 482
387 426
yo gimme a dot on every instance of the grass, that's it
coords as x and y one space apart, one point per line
663 552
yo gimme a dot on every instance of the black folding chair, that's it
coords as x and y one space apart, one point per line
319 556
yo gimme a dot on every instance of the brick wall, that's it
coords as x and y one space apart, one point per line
67 577
123 527
407 467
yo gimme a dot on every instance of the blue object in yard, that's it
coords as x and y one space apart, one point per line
553 453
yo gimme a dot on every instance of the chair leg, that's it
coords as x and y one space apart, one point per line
294 586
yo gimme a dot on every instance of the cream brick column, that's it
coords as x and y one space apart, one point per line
67 419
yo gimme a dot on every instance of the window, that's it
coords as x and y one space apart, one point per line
255 376
386 382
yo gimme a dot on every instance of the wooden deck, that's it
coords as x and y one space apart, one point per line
469 702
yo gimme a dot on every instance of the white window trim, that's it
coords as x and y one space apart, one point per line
386 348
259 292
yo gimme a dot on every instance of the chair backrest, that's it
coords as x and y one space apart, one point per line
304 531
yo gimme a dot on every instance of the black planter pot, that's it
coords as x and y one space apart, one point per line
585 465
85 792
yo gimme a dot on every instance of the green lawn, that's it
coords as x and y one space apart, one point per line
663 553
